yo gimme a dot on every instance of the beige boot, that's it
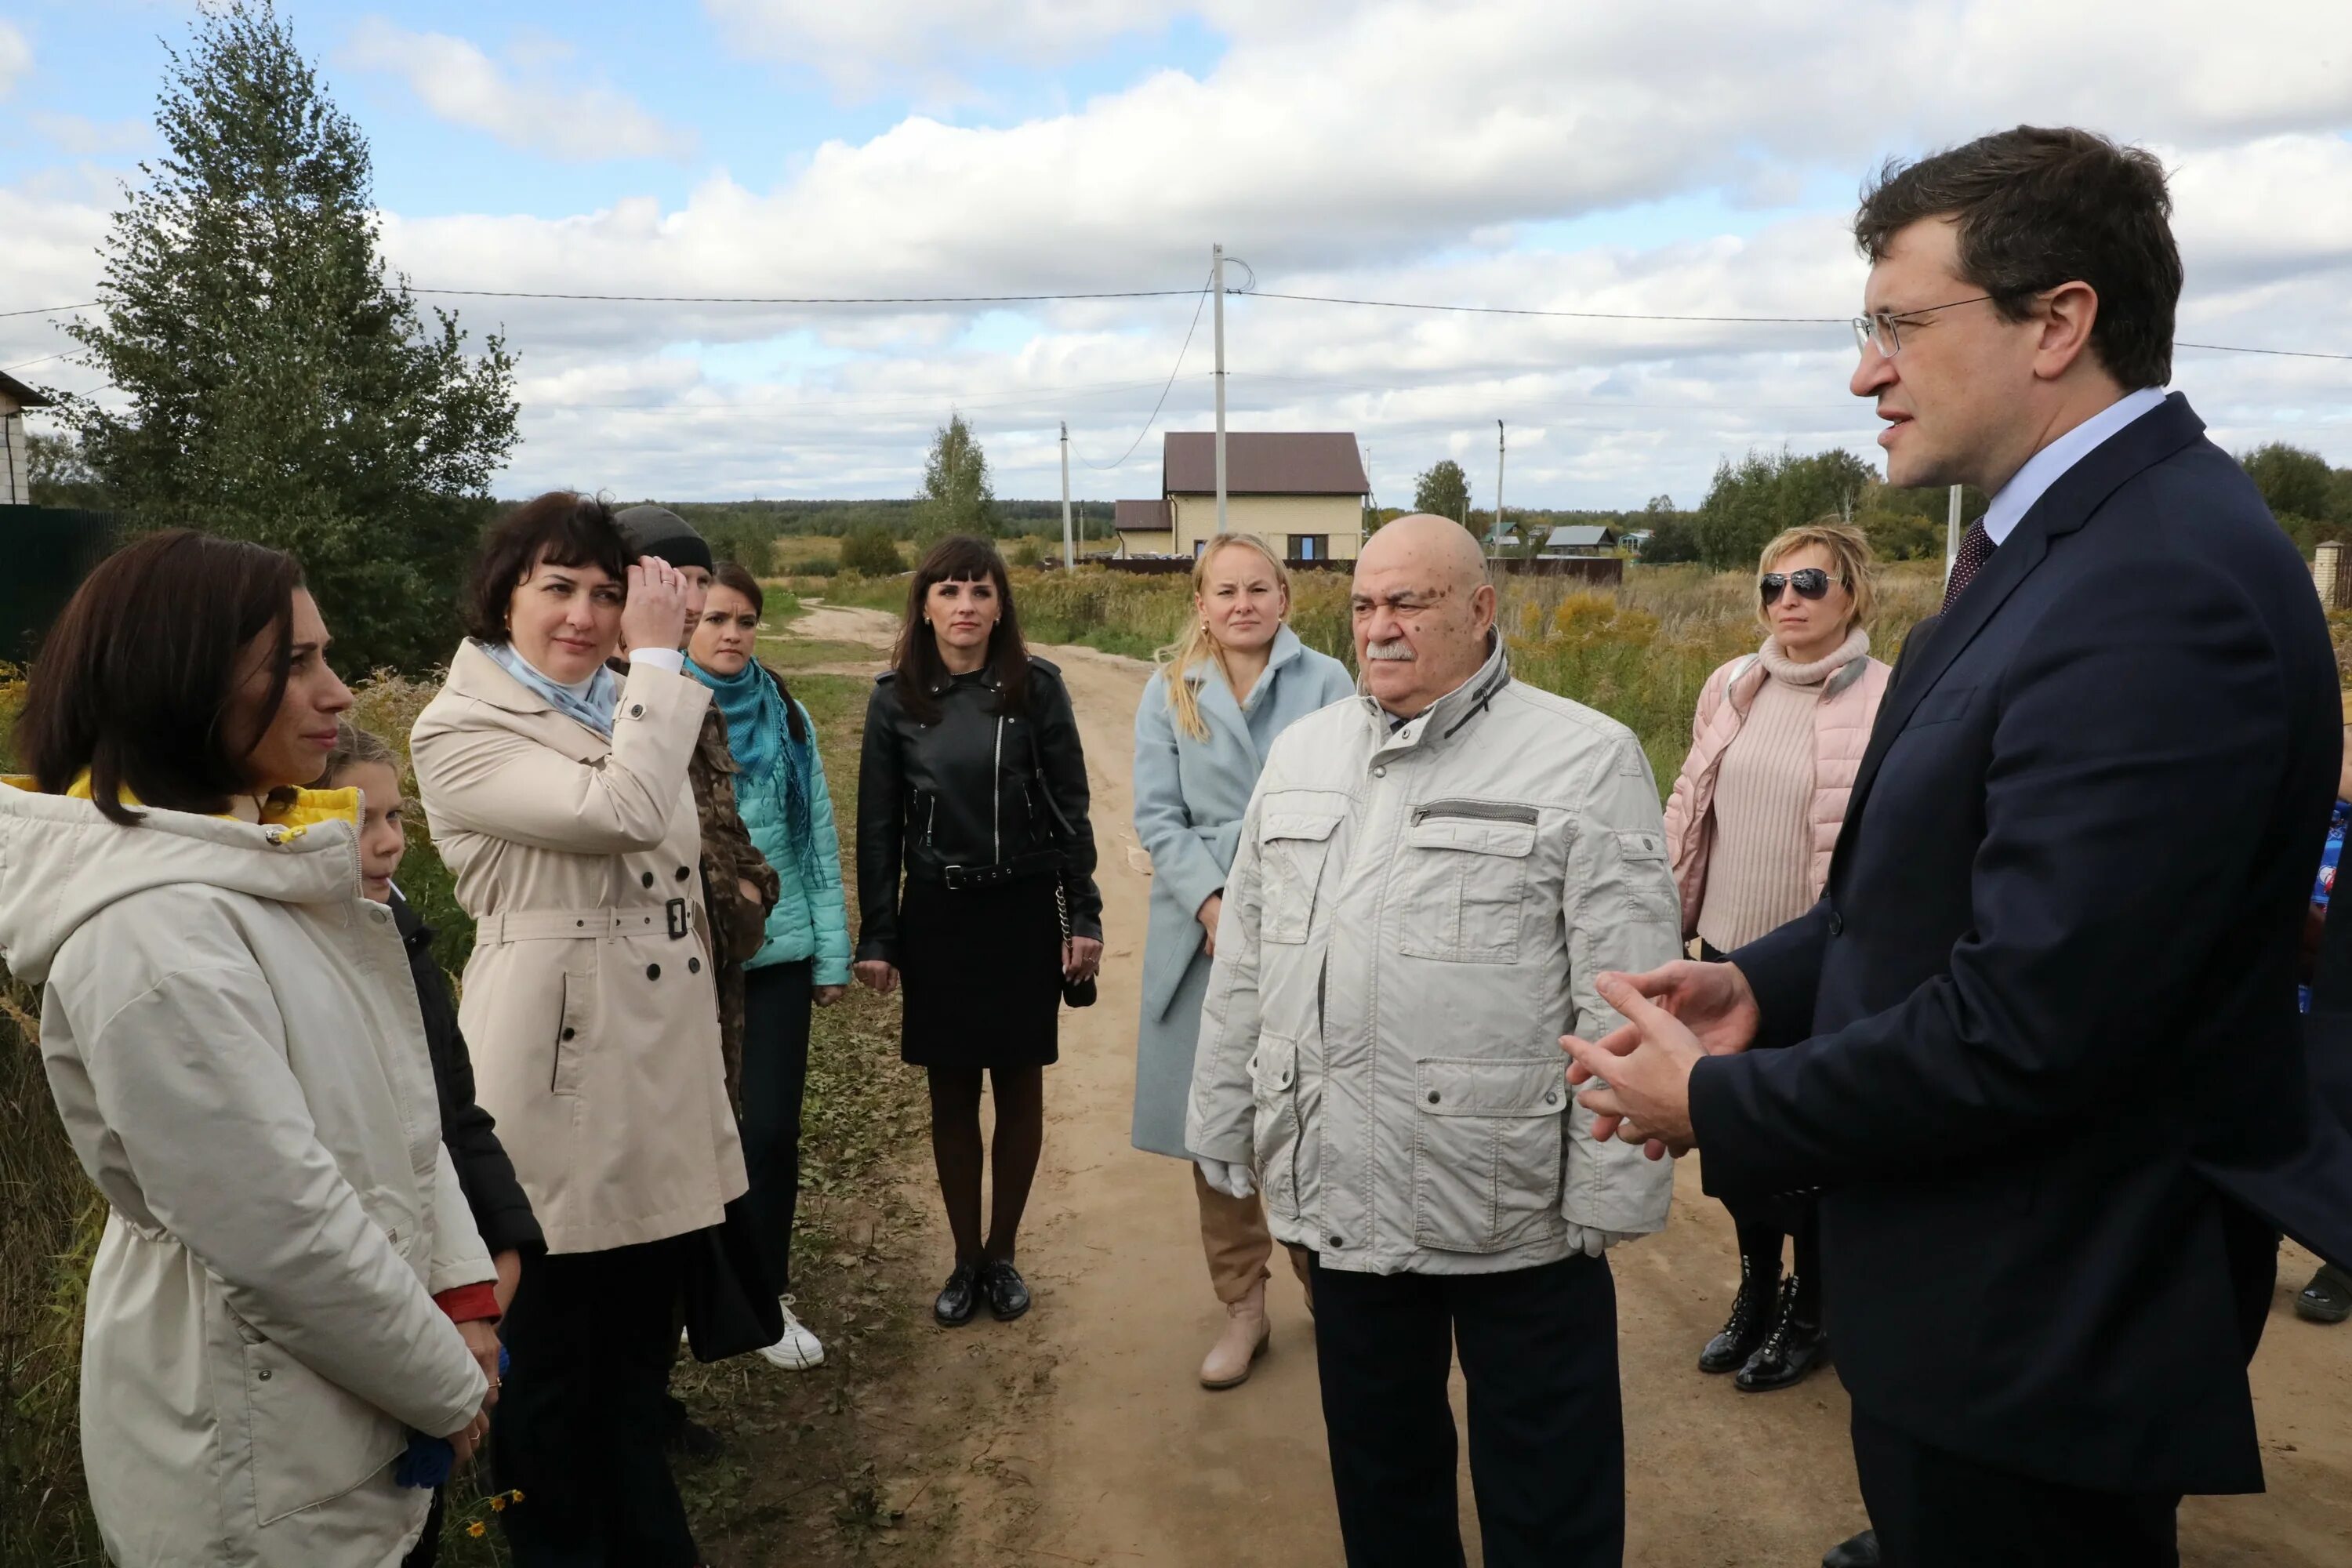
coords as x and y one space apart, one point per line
1247 1335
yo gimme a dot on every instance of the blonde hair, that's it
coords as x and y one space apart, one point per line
1856 566
1196 644
357 748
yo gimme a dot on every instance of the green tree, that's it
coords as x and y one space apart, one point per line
870 550
58 475
1442 489
1747 504
279 387
2294 482
956 496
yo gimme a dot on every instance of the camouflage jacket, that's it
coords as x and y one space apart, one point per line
738 926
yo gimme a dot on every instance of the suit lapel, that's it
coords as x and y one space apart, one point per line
2063 508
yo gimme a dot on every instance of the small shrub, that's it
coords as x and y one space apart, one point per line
871 551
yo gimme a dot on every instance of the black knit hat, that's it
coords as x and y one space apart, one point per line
657 531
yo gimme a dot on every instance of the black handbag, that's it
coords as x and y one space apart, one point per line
1075 993
731 1306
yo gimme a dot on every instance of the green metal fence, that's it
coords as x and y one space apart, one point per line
45 552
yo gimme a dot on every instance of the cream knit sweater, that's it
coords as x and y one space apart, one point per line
1757 874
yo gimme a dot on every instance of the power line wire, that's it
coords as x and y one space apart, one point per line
51 310
1574 315
1155 408
808 299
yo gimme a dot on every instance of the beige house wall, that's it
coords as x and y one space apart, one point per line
1273 519
1148 542
15 483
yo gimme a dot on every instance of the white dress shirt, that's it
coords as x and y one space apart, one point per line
2041 470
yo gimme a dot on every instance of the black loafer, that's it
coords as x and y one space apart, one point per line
1792 1349
2327 1299
957 1297
1744 1330
1008 1294
1854 1552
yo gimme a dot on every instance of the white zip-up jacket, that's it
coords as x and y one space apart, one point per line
232 1037
1413 919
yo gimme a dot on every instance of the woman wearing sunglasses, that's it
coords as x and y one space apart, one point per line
1774 749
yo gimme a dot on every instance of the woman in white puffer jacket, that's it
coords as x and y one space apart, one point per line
233 1043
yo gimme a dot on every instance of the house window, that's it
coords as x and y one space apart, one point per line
1199 545
1310 547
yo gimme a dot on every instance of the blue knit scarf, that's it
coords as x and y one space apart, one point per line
759 732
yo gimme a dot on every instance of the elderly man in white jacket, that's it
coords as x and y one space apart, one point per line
1431 877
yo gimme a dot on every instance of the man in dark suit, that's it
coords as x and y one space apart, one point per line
2040 1034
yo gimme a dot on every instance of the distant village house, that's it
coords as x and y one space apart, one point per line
16 475
1302 492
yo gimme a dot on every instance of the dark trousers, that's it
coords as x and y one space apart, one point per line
1538 1350
1933 1509
579 1424
776 1002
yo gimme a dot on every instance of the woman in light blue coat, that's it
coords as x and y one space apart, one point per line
780 790
1237 678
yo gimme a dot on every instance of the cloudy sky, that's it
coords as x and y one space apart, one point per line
1679 157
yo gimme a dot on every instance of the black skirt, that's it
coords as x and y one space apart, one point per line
982 971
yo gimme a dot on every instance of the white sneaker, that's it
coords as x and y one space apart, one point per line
799 1349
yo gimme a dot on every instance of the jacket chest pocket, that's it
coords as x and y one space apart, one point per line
1461 887
1487 1151
1293 845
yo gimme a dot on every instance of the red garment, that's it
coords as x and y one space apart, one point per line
470 1303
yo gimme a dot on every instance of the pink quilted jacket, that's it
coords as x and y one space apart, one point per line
1842 721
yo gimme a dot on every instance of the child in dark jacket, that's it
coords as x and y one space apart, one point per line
501 1211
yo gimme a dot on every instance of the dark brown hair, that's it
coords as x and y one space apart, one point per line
2039 207
958 558
734 575
136 681
561 528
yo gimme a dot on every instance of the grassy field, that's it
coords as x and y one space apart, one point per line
1639 653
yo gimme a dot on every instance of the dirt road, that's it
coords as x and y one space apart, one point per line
1079 1434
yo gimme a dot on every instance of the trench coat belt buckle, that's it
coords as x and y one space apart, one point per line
674 920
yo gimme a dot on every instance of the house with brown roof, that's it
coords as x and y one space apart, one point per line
16 479
1303 492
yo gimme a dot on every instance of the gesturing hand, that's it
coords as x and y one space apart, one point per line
655 614
1712 1000
1645 1067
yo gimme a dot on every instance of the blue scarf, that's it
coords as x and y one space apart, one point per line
759 732
594 707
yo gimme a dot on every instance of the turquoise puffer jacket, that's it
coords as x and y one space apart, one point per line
808 922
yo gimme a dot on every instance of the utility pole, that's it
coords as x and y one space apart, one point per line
1951 532
1494 538
1217 282
1069 549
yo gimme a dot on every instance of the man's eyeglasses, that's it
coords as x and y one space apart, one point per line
1882 330
1809 581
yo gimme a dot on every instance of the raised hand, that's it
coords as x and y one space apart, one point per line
654 616
1643 1068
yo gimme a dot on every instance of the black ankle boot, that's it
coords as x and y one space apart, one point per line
1751 1316
1795 1345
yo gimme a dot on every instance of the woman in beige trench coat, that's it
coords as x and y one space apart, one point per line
557 792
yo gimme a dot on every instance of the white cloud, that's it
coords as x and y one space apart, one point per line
530 108
15 57
1409 150
86 138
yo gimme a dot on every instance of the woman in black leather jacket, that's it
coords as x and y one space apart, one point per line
974 786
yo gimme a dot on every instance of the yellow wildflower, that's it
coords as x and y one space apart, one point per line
478 1527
